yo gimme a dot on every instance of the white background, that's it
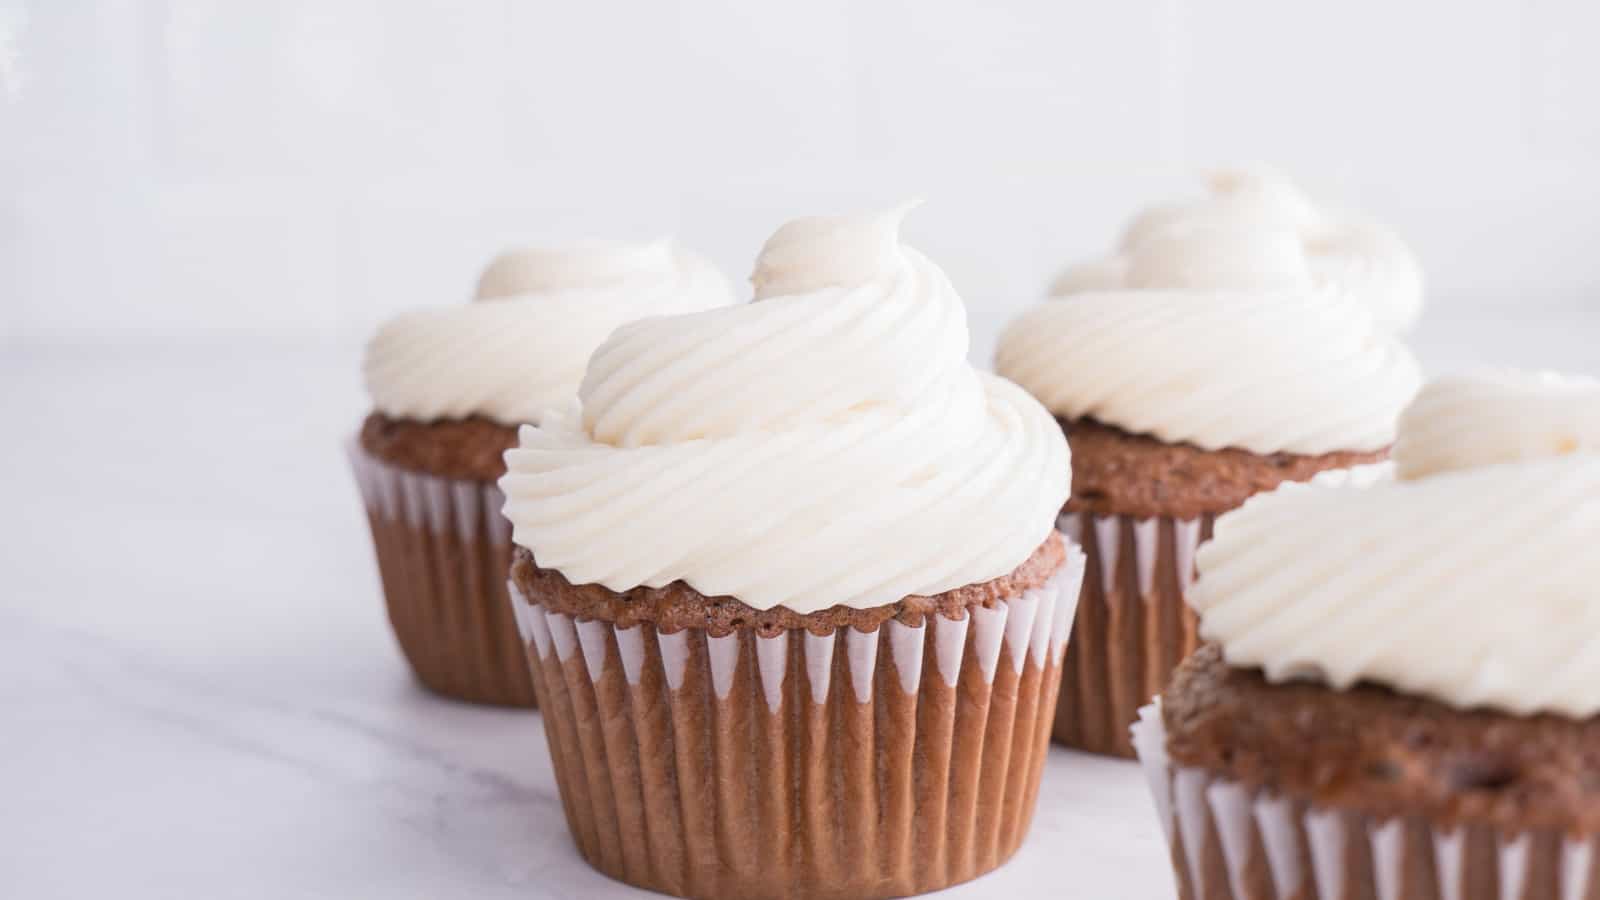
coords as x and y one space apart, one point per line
206 206
300 169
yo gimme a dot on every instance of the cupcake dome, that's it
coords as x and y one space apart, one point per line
827 444
521 348
1346 254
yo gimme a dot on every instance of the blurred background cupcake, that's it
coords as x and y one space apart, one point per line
1231 345
793 588
449 387
1403 694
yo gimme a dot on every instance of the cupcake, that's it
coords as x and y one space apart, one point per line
1219 365
1400 697
792 587
449 387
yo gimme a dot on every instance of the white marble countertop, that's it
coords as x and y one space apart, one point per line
198 691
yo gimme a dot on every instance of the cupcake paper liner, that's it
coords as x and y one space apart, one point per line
1133 625
1232 842
443 553
849 765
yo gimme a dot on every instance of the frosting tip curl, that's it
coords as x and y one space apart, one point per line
819 252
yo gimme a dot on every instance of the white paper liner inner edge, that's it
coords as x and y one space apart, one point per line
1040 622
441 504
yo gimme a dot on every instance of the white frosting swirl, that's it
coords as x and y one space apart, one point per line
1472 582
1360 260
1222 339
827 444
523 351
1497 416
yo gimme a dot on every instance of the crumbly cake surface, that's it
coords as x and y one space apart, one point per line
1115 472
472 448
1384 753
678 606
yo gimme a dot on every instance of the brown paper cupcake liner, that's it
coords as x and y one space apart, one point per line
849 765
443 553
1232 842
1133 626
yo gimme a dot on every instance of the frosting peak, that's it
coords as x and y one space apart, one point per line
821 252
828 445
523 350
1365 263
1220 326
1252 199
1471 581
1220 258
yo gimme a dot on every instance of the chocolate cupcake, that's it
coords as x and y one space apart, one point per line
449 388
792 586
1221 363
1403 696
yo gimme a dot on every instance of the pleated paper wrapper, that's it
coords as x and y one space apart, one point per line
443 552
1133 625
851 765
1231 842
